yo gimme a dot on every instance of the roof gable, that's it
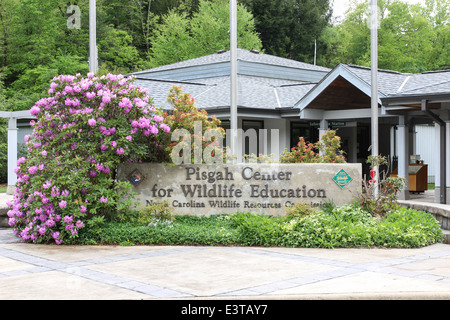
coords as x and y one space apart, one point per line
390 83
334 78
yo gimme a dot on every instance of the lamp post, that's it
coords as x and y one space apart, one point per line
374 87
93 60
233 77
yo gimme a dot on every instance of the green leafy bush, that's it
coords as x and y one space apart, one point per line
185 230
185 117
408 228
388 187
299 210
84 129
156 212
255 229
325 151
345 226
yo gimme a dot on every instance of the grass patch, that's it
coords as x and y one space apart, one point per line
333 227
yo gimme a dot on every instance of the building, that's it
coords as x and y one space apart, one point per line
300 99
268 89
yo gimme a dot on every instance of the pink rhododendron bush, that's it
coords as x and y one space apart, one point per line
84 129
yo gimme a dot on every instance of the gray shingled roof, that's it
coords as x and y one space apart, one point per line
242 54
388 81
211 92
395 83
253 92
428 82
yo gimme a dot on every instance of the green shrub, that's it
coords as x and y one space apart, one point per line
345 226
83 130
336 228
388 188
408 228
351 214
255 229
328 150
156 212
299 210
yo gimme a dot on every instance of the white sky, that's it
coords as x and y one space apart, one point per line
340 6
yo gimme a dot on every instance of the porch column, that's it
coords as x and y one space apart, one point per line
412 140
445 115
323 129
12 155
353 142
442 149
442 139
447 163
403 155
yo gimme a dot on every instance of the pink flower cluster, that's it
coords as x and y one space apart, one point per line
83 130
44 218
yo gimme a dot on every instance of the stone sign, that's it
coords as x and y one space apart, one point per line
247 187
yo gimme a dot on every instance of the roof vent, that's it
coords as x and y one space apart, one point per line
221 51
254 51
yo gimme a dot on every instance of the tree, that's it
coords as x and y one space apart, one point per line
211 24
5 26
39 47
439 17
187 117
140 17
411 38
172 41
180 37
117 52
289 28
34 30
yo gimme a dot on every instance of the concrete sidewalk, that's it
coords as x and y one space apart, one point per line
50 272
53 272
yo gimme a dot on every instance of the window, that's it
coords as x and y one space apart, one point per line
300 129
252 124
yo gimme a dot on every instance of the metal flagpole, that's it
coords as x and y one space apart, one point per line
93 61
374 95
315 51
233 77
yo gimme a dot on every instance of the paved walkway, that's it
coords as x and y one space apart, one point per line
175 272
52 272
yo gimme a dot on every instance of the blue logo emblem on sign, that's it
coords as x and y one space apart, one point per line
136 177
342 178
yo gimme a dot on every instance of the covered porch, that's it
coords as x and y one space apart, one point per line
343 97
426 108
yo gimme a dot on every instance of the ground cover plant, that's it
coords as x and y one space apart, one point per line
302 226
